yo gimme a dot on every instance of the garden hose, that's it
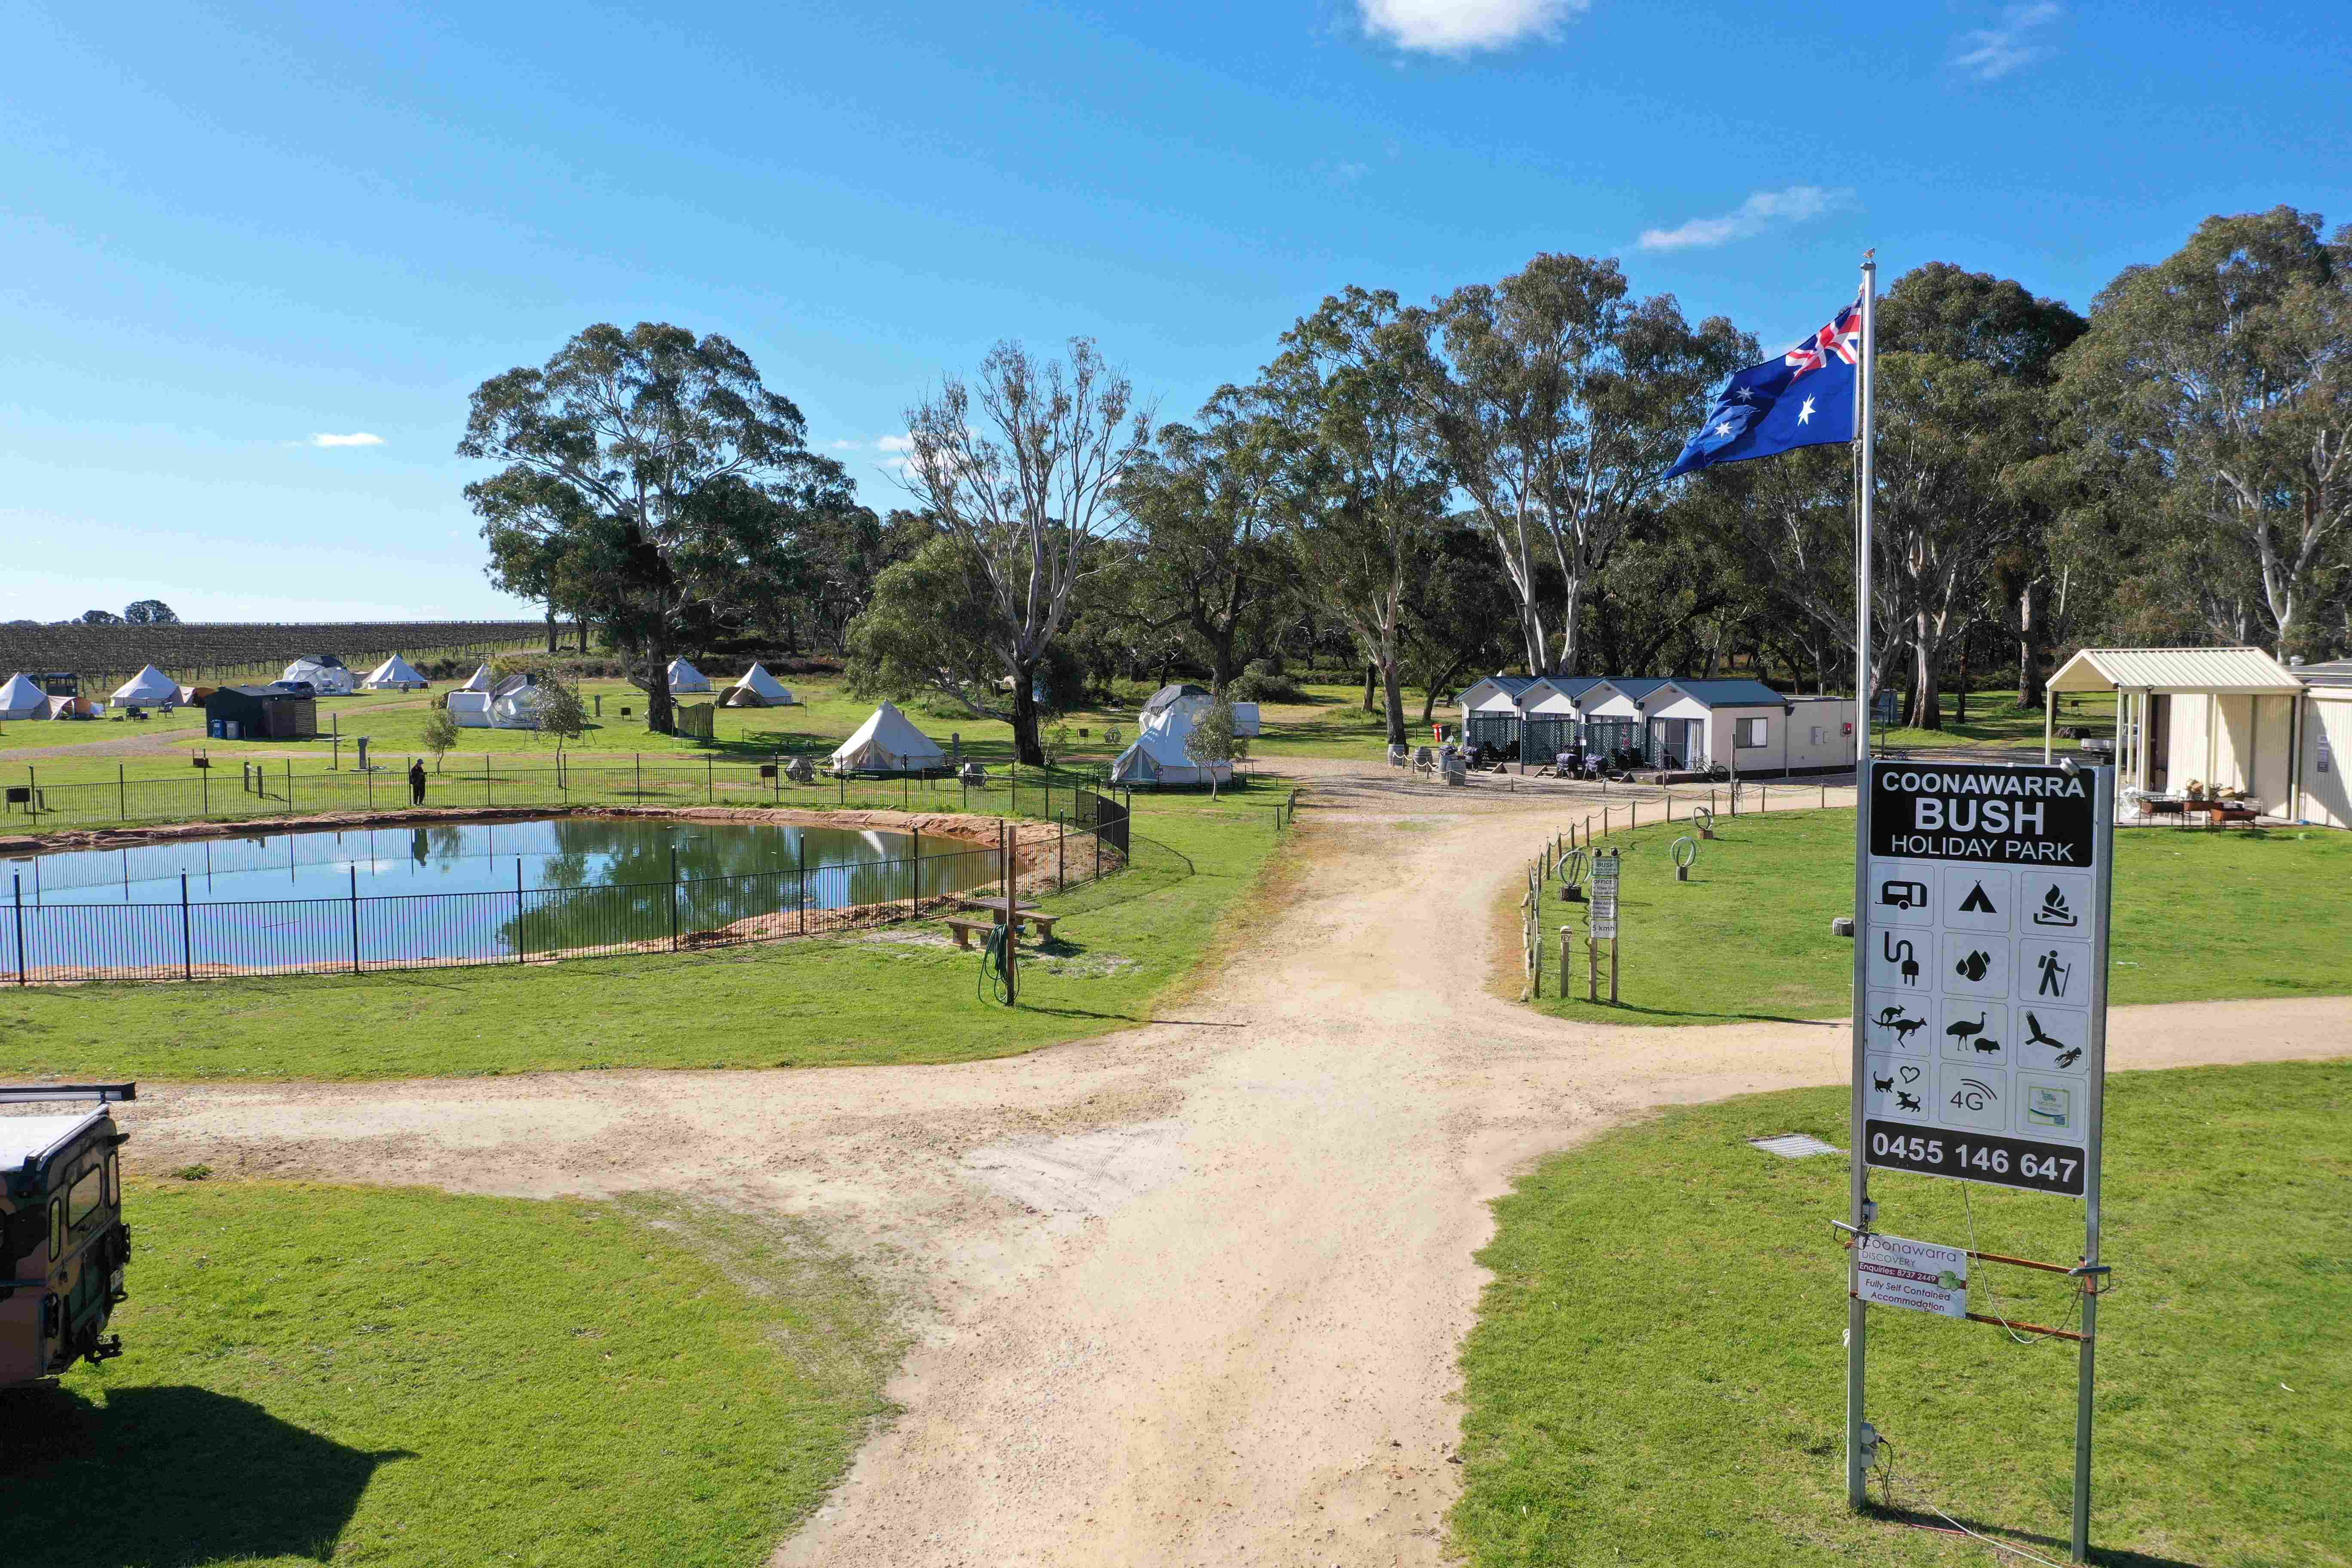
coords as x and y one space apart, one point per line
992 968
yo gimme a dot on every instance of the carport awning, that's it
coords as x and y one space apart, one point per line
2227 670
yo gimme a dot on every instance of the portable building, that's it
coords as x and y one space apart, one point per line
260 714
1490 711
394 674
20 698
758 689
326 675
686 679
2215 720
888 742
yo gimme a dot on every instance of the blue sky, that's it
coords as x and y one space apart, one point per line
235 229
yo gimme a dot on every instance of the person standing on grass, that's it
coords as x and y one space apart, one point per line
416 781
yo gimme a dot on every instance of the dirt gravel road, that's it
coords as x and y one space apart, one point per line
1189 1294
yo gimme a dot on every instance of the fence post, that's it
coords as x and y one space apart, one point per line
523 947
485 778
206 776
915 899
1061 860
639 759
710 787
122 794
289 786
355 919
19 882
673 898
803 846
187 941
370 776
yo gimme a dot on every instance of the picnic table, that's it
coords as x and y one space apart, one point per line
1024 914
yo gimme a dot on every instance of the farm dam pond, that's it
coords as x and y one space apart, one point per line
456 892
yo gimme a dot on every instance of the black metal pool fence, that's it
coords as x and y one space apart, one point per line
191 940
232 788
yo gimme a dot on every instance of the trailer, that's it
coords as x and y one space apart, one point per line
63 1244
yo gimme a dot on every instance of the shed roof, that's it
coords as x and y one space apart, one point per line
2222 669
2335 673
1737 693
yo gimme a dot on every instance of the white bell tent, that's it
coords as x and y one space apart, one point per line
480 680
889 742
1158 757
328 676
394 674
685 677
758 689
148 687
20 698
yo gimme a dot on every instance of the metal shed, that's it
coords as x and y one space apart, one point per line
260 714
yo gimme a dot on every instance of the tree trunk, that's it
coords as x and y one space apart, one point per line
1371 677
2029 653
1960 687
1024 715
1927 703
551 626
661 716
1394 690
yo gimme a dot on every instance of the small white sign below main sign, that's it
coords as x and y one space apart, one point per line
1917 1276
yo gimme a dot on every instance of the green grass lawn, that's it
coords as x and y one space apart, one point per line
397 1377
892 996
1658 1376
1995 719
2198 916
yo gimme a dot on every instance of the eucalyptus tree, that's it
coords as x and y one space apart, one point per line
660 463
1025 467
1558 401
1364 486
2217 384
1209 556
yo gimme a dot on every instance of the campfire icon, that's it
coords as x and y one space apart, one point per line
2053 911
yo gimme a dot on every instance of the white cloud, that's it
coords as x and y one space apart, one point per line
1463 27
1990 52
895 444
356 439
1758 213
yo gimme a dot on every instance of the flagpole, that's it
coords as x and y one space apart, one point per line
1859 1451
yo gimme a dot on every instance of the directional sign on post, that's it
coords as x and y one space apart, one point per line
1983 924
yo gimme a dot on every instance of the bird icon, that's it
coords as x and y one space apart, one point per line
1964 1030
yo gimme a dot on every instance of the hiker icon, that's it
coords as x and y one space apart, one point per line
2054 975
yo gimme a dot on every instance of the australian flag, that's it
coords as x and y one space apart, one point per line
1804 398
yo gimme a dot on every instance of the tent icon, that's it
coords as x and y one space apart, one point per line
1978 902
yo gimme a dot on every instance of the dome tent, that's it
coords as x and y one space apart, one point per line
888 742
758 689
150 685
685 677
327 675
1185 698
394 674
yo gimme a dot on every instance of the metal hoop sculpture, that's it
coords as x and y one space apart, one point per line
1703 817
1575 869
1685 855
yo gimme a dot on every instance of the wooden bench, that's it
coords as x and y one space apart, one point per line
964 930
1026 914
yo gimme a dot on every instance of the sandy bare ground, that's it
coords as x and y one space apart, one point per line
1194 1293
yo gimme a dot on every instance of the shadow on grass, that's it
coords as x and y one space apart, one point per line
2005 1533
1129 1017
166 1476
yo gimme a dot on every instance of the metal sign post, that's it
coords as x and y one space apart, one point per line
1981 999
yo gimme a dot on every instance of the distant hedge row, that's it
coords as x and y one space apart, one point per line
190 650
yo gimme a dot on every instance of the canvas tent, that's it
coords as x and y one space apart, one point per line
1158 756
758 689
394 674
685 677
328 675
889 742
1186 698
480 680
148 687
20 698
512 704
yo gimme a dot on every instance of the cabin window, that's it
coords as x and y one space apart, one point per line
1747 733
57 1227
85 1198
113 1182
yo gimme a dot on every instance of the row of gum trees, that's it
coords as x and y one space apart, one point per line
1476 480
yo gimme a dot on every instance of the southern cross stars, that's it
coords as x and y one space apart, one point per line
1723 428
1805 415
